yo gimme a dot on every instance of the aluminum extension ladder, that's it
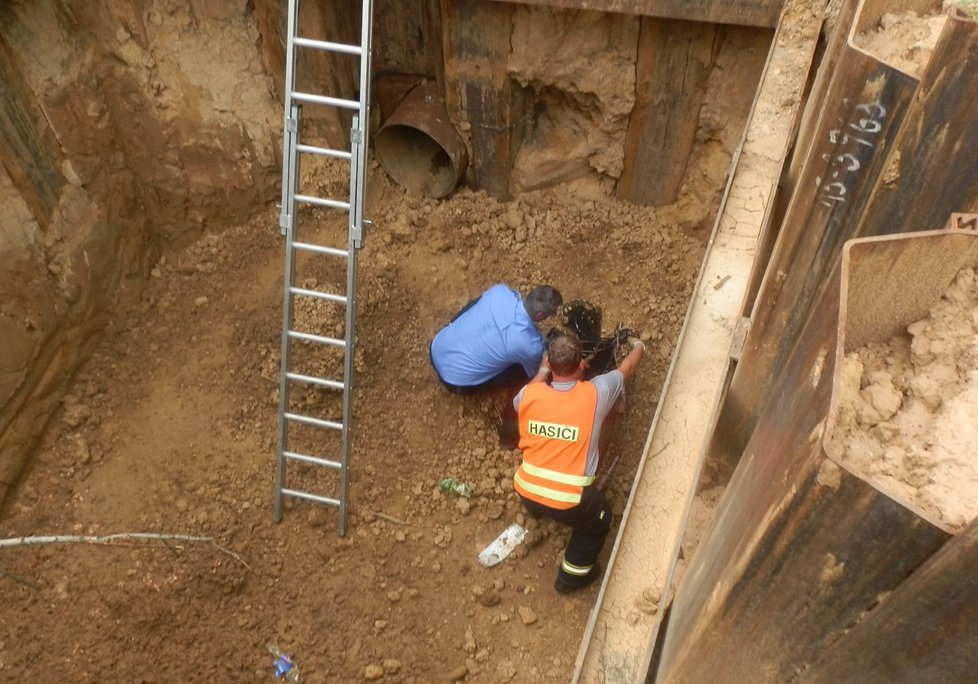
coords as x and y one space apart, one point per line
288 221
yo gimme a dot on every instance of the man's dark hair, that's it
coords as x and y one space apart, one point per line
542 302
564 354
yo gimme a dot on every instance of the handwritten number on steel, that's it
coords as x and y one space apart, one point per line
835 139
867 126
874 109
832 192
847 159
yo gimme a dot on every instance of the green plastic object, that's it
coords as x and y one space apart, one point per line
452 486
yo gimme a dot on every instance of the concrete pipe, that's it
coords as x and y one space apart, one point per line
419 147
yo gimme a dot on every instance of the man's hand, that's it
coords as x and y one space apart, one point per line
543 373
623 335
630 362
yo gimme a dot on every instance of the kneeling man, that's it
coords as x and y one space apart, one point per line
560 426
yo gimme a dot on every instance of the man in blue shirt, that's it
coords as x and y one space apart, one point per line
493 342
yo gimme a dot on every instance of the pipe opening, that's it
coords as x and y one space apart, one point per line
419 148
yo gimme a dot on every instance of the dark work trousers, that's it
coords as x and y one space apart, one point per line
590 521
513 376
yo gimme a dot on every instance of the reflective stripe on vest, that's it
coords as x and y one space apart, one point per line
555 435
580 480
545 492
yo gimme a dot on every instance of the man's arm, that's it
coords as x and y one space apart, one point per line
630 363
528 352
543 373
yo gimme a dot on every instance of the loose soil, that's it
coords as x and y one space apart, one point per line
171 428
909 409
907 39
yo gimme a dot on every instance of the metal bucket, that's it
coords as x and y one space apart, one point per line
419 147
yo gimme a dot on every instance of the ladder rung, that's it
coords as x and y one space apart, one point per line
339 299
318 249
324 152
319 339
332 384
329 47
320 202
312 459
325 100
318 422
311 497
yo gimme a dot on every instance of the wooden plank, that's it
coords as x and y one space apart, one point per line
925 632
408 50
860 119
801 547
407 38
675 59
479 91
745 12
619 639
29 150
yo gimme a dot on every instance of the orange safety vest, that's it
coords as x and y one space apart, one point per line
555 431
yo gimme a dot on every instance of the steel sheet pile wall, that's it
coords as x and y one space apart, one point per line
801 549
859 115
924 633
621 632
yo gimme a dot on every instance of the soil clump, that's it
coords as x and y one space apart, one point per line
909 409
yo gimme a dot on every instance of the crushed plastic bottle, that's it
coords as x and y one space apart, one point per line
453 486
285 667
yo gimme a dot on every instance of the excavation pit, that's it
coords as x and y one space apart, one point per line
148 292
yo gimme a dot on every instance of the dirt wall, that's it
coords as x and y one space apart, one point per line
581 68
118 135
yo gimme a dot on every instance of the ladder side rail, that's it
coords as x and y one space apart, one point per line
348 380
359 139
289 154
361 125
349 335
286 224
289 157
287 321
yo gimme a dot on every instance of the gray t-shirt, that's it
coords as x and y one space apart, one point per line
609 386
